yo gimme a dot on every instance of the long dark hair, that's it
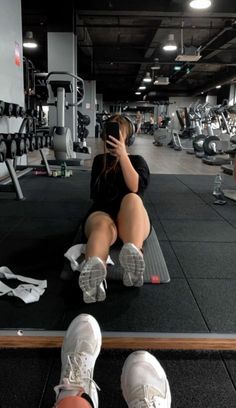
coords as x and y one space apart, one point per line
124 127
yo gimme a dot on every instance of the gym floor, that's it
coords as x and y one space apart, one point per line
198 242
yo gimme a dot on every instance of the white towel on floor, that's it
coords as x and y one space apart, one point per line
75 252
29 292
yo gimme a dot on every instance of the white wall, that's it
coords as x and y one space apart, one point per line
11 64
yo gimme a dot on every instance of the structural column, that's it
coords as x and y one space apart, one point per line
89 105
62 56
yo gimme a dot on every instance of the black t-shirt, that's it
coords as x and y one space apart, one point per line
110 188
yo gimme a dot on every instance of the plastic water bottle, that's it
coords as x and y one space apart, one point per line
84 148
63 169
217 192
217 185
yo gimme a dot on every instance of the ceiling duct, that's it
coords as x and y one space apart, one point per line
188 54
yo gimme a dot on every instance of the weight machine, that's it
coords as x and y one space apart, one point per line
62 137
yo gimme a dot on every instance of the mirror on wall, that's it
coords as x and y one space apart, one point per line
180 103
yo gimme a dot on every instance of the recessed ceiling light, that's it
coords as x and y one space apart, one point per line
200 4
147 78
142 87
218 86
137 93
170 45
29 41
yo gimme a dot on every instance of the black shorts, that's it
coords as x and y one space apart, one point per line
109 209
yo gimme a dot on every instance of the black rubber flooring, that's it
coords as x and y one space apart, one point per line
197 238
197 379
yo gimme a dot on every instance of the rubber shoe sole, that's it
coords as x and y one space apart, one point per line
131 260
91 280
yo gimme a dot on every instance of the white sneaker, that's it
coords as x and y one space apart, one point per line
80 349
144 382
92 280
131 259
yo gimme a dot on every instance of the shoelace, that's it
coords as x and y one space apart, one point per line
155 402
104 283
76 379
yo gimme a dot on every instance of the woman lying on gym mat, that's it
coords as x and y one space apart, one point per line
118 181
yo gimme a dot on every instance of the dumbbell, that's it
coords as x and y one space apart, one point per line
86 120
10 145
2 108
37 142
27 143
25 140
20 144
43 140
15 110
50 141
3 151
8 109
47 140
32 142
22 112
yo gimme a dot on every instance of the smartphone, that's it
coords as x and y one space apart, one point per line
112 129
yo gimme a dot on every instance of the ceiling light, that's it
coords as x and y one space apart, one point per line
218 86
156 65
200 4
137 93
177 68
28 41
170 44
147 78
142 87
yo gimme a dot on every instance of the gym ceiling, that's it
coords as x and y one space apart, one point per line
119 41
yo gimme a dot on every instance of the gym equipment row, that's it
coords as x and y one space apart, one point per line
216 147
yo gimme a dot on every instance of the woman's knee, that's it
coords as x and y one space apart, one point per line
99 221
131 199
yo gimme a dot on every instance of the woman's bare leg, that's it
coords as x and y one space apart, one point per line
132 221
133 228
101 232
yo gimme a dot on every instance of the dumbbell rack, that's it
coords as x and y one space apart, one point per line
12 167
14 145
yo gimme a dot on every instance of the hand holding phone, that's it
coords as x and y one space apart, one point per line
112 129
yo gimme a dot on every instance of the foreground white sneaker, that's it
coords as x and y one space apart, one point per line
144 383
92 280
81 347
131 260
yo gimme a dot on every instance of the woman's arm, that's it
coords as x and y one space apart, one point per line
130 175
